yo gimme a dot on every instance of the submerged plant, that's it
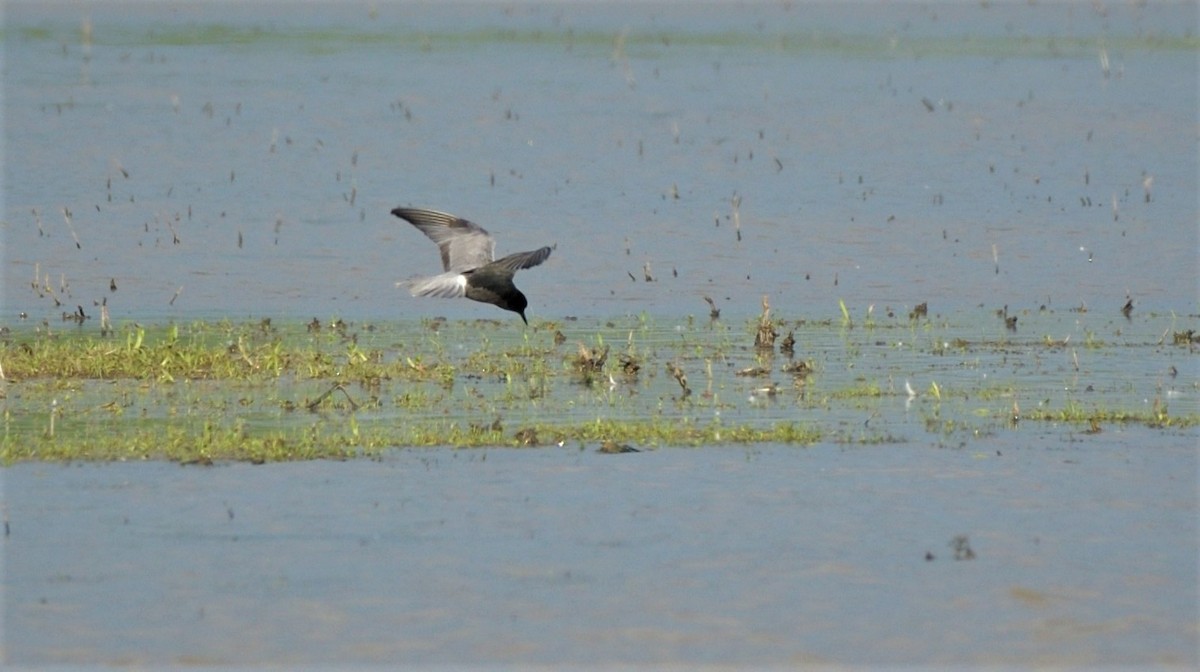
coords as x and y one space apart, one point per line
261 391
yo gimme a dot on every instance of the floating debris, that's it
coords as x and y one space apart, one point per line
610 447
768 391
312 406
788 345
753 372
496 426
590 360
765 337
1186 337
78 317
1010 321
527 437
677 373
799 369
629 364
962 548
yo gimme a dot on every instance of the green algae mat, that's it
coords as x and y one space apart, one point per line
263 390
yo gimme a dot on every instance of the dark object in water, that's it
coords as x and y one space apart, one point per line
610 447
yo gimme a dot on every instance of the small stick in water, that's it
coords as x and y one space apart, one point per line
713 311
313 406
67 216
105 326
737 220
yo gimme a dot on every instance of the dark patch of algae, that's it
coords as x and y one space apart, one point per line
220 391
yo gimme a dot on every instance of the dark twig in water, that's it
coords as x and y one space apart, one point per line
313 405
1010 321
788 345
67 216
677 373
737 219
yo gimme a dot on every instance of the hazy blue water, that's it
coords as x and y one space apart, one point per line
536 122
1086 551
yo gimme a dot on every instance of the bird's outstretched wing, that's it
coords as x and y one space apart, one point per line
464 245
519 260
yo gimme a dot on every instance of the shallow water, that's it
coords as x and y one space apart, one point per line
1084 553
234 163
264 153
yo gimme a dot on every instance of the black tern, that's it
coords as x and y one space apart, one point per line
468 261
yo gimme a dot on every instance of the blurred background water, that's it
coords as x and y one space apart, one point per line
1080 555
246 157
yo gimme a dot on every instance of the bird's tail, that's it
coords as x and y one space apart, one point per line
450 285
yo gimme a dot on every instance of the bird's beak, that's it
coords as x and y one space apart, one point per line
522 314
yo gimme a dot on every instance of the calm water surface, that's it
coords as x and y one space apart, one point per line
229 161
882 155
1084 553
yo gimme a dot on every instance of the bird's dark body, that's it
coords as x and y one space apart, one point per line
470 271
493 284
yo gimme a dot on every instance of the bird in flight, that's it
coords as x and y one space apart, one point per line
468 262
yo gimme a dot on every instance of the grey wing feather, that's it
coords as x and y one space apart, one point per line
464 245
519 260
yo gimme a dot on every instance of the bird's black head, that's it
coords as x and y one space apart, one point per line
517 303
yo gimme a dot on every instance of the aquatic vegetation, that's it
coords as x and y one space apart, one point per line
210 391
642 43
